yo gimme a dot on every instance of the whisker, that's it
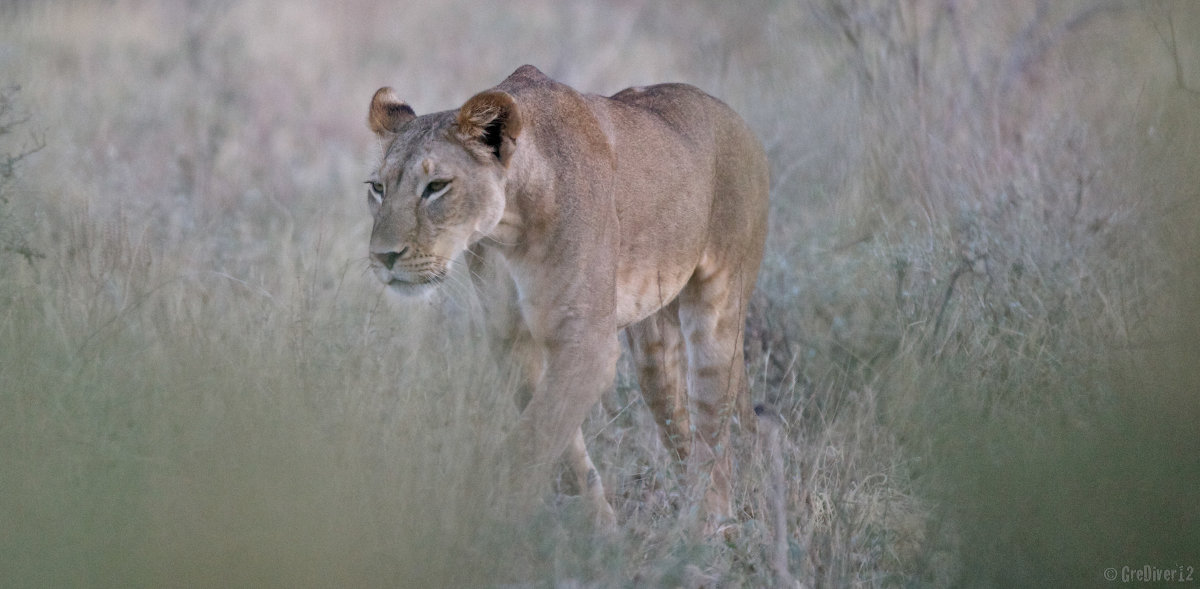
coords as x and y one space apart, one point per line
364 264
503 243
477 279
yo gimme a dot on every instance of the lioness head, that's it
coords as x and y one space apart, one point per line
440 185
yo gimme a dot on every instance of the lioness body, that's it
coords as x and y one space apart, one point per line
644 211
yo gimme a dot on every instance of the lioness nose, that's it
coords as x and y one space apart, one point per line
388 259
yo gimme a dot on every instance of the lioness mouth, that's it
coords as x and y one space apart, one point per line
422 283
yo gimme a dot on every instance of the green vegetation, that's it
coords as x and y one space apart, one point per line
977 316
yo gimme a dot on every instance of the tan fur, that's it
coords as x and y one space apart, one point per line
645 211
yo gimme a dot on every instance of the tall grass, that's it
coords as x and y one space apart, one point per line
976 319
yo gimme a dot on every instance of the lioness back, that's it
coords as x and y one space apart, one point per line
675 141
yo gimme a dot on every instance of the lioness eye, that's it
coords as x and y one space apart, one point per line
435 187
376 190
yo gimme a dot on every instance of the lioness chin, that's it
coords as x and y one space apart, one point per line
645 212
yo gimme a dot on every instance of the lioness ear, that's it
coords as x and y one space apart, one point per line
388 113
492 119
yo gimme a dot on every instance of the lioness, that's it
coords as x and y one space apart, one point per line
644 211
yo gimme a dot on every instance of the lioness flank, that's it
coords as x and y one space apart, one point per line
645 212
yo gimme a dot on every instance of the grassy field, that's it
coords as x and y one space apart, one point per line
977 318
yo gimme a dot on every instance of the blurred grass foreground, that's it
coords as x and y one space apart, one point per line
977 318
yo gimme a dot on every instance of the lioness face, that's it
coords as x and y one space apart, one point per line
440 185
431 198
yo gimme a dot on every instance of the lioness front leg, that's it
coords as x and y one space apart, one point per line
576 373
527 359
588 480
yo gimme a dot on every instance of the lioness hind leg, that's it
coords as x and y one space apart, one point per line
712 314
658 353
